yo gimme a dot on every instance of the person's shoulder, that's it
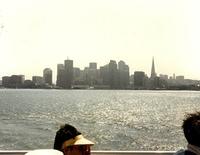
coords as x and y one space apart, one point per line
180 152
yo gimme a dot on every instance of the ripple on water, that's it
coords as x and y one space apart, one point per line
114 120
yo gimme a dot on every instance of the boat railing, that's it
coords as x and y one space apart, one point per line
22 152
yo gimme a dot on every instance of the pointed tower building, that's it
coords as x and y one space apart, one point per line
153 73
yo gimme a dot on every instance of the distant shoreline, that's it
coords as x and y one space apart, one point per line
103 89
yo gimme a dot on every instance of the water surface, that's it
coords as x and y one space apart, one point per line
113 119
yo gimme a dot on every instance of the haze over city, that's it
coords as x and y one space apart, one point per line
38 34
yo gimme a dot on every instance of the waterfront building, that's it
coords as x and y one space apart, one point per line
104 74
85 75
68 74
180 80
5 81
28 84
123 75
14 81
172 80
38 81
180 77
139 80
131 81
192 82
60 75
164 81
76 73
99 79
93 65
92 74
174 76
163 77
153 72
113 74
47 75
154 80
78 77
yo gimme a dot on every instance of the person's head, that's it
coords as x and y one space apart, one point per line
70 141
191 128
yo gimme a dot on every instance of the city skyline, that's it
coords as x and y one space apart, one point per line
114 75
54 75
34 35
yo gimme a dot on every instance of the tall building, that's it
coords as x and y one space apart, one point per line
93 65
60 75
164 77
113 75
68 74
77 73
14 81
139 79
5 81
77 79
180 80
123 75
154 81
47 75
153 73
92 74
38 80
104 74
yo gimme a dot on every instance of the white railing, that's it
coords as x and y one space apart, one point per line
22 152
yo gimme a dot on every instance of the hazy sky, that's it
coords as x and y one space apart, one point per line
35 34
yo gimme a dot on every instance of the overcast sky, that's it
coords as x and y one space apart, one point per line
35 34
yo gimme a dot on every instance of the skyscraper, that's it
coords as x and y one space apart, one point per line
68 73
93 65
154 80
123 74
60 75
139 79
113 74
47 75
153 73
38 81
92 73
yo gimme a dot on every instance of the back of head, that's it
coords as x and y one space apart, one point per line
191 128
65 133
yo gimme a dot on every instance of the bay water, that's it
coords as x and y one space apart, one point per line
113 119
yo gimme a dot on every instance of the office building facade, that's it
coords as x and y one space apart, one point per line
47 75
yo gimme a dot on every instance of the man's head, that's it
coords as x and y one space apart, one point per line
69 140
191 128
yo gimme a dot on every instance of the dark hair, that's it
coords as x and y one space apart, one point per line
65 132
191 128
